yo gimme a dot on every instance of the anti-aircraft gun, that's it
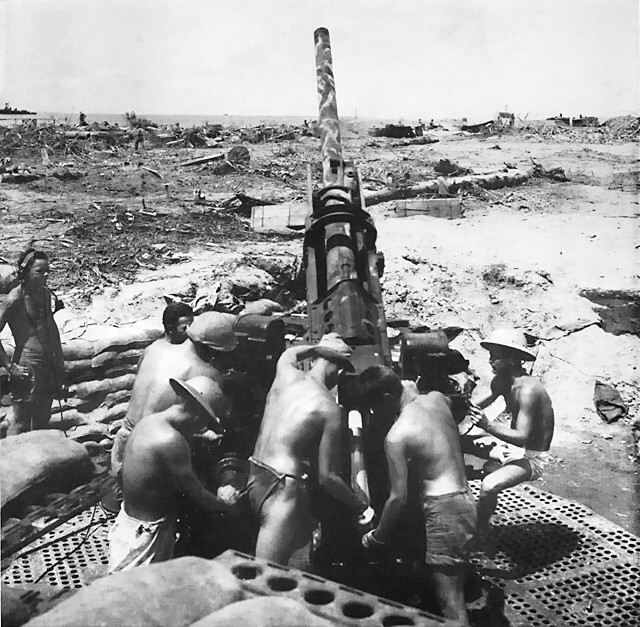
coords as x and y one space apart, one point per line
342 270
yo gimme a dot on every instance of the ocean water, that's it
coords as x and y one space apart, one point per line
165 119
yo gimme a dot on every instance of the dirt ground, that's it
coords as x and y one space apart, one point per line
524 256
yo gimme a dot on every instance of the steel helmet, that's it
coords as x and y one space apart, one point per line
214 329
207 393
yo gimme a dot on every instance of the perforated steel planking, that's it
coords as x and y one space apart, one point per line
558 563
339 604
76 569
555 563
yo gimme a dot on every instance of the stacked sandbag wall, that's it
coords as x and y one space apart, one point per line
100 374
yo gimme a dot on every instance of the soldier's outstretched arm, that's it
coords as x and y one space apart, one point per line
177 457
288 362
398 478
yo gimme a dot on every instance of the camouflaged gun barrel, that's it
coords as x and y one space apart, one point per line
331 150
340 258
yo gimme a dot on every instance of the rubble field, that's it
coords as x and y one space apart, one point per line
556 255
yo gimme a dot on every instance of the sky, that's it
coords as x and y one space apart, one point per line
404 59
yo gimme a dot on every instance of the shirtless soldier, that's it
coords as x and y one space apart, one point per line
210 337
532 420
157 468
37 367
426 434
301 427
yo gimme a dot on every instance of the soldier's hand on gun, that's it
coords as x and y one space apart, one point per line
410 386
209 435
366 517
369 540
63 393
478 417
19 372
228 495
368 513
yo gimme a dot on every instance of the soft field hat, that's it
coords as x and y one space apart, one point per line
334 349
204 391
513 339
213 329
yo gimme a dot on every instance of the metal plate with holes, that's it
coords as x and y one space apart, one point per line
73 554
341 605
556 562
550 562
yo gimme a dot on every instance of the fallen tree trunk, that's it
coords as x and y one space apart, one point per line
202 160
18 178
488 181
293 214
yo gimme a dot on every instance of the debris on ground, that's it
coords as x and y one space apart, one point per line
608 402
448 168
555 174
397 131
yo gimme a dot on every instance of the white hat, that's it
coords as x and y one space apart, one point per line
513 339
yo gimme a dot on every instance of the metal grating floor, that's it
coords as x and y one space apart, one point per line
552 562
556 562
60 562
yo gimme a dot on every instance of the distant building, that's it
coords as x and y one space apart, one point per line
506 119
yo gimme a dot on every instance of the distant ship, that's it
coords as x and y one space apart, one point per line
7 110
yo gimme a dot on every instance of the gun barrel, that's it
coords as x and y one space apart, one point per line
331 148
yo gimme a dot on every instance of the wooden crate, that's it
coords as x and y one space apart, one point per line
450 208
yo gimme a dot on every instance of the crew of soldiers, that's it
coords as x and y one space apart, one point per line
180 398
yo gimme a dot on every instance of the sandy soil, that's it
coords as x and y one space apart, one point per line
520 256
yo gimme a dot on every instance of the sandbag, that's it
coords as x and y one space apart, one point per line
109 414
120 370
8 277
79 404
110 358
264 612
15 611
117 397
84 433
169 594
91 403
129 339
86 389
38 457
88 404
79 365
83 375
75 350
67 418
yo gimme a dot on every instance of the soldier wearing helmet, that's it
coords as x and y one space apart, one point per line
300 430
157 469
210 339
523 453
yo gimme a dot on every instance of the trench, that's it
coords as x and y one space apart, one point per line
619 310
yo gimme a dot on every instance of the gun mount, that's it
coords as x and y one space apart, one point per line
342 265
